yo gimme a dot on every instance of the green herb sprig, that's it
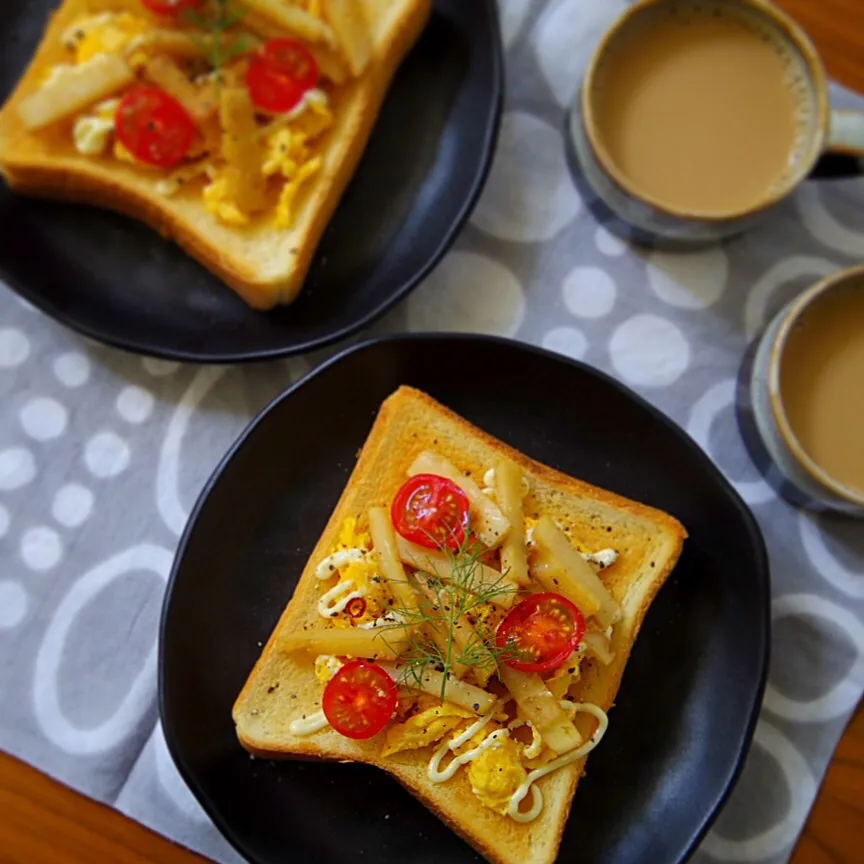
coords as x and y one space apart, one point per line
219 23
460 595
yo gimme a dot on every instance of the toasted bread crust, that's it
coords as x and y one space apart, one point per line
408 422
49 167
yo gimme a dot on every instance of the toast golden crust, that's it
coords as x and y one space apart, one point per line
408 423
266 266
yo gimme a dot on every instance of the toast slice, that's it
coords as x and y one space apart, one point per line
266 265
648 543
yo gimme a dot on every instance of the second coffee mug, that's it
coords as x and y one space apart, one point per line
696 117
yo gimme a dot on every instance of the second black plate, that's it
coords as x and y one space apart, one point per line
117 281
688 703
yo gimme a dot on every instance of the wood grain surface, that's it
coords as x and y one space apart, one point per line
42 822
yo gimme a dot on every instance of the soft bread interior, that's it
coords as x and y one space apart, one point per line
283 687
265 265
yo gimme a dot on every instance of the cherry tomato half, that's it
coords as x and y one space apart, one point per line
170 7
154 127
360 699
540 633
281 71
431 511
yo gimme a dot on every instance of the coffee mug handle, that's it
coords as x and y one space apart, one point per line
844 156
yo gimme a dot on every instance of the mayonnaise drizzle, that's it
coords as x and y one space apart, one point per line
307 725
331 564
334 601
437 776
527 784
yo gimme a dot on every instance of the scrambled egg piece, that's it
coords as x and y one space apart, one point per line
364 574
92 132
219 202
288 156
496 774
326 666
427 727
108 33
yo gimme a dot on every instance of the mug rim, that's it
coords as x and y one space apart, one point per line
793 32
790 317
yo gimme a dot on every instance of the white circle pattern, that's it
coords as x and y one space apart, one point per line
720 397
568 341
41 548
468 293
649 351
44 419
135 404
14 348
4 521
826 564
801 786
13 604
695 280
589 292
530 195
17 468
106 455
512 14
607 243
142 692
844 696
72 505
72 369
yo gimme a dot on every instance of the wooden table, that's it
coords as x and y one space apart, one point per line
42 822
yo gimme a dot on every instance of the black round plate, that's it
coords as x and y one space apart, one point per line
117 281
692 690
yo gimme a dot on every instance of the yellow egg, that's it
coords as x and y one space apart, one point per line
351 538
103 34
425 728
496 774
326 666
217 201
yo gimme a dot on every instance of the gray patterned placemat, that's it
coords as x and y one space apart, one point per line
102 455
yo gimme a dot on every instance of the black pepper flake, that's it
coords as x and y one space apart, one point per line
609 528
572 669
273 687
652 563
476 706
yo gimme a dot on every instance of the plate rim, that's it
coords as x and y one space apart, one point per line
761 560
143 348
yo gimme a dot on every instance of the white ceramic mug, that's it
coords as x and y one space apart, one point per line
809 479
647 219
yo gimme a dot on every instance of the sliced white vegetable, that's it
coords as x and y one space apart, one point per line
541 708
561 568
73 89
509 493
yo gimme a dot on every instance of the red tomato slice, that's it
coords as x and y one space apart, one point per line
540 633
281 71
431 511
154 127
360 699
170 7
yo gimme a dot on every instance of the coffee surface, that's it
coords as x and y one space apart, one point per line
822 383
701 107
